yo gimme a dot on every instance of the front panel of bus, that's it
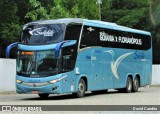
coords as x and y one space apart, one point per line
46 58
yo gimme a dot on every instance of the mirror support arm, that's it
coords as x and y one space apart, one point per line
8 49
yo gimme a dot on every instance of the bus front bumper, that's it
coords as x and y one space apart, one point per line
36 88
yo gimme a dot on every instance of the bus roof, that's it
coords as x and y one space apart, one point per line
113 26
94 23
54 21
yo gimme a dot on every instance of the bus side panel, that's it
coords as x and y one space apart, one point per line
148 78
147 74
127 66
88 68
69 84
147 69
108 68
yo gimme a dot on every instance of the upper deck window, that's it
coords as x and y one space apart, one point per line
43 34
96 36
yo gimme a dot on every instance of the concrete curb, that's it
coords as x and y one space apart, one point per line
7 92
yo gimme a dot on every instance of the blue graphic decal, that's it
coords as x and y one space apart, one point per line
116 63
97 51
88 57
139 55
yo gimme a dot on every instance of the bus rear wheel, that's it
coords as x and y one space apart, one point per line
43 95
128 88
135 85
81 88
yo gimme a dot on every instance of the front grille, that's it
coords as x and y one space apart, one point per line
35 84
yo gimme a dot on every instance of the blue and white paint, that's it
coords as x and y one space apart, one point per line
116 63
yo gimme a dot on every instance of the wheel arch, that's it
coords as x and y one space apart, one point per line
130 75
85 80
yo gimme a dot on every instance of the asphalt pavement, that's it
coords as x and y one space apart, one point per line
145 96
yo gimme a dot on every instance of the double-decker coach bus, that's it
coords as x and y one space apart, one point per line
75 55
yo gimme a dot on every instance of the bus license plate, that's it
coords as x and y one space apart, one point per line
35 92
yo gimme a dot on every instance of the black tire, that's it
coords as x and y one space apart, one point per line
135 85
100 91
128 88
81 88
43 95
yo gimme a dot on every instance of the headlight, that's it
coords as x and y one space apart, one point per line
57 80
18 81
53 81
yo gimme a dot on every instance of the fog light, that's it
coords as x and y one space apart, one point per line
54 88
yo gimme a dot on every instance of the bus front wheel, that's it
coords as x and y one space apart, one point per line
81 88
43 95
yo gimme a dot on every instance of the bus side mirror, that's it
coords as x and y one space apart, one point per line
58 47
8 49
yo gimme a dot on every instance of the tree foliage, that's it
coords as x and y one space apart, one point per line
9 21
154 12
130 13
62 9
139 14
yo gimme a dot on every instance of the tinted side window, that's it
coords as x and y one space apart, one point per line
94 36
90 37
68 59
69 54
73 32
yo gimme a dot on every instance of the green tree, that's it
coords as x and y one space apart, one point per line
139 14
9 24
130 13
154 13
9 20
62 9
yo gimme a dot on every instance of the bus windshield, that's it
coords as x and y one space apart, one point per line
37 64
42 34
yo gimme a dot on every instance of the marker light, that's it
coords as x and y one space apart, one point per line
57 80
27 53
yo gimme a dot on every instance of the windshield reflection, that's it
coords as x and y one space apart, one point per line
43 34
35 64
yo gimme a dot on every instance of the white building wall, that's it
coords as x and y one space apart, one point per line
8 73
156 75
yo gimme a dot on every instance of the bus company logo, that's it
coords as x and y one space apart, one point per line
34 80
90 29
41 31
6 108
34 85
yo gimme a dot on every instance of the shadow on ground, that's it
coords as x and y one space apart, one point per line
71 96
